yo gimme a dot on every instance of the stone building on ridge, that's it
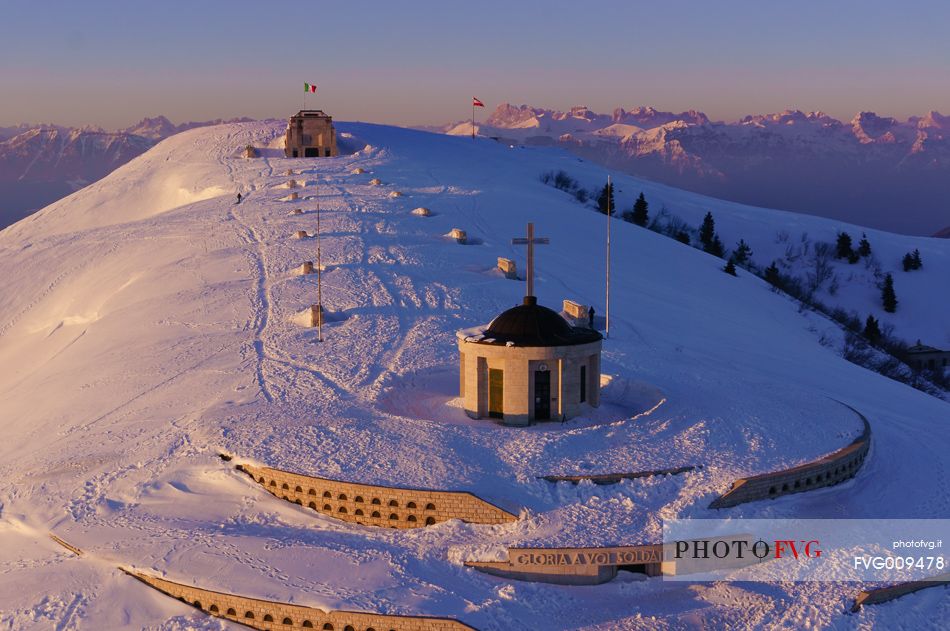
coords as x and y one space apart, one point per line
310 134
921 356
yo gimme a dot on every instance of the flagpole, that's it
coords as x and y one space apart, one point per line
319 276
607 310
473 119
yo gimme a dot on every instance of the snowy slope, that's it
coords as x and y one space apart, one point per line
146 323
872 170
924 302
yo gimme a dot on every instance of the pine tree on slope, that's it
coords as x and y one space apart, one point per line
606 199
888 296
707 231
742 252
773 276
641 214
715 247
864 246
872 330
844 246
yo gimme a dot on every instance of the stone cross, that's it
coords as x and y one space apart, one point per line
531 241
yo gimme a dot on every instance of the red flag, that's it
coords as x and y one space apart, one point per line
477 103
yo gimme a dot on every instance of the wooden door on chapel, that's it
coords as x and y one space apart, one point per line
542 395
496 393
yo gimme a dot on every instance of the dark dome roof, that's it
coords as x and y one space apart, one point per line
530 324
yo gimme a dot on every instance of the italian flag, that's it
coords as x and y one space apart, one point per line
309 87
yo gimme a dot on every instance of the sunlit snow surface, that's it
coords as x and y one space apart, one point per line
139 338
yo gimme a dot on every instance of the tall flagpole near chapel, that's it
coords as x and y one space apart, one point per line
475 103
607 309
319 277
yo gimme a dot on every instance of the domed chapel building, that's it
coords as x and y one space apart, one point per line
529 364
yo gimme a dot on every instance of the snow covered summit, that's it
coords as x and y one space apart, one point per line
148 322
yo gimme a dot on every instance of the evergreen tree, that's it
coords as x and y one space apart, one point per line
844 246
682 236
888 297
864 246
912 260
854 257
606 199
773 276
742 252
707 231
640 215
715 247
730 267
872 330
908 262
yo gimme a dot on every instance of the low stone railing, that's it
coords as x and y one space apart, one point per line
614 478
591 566
884 594
827 471
267 615
373 505
573 566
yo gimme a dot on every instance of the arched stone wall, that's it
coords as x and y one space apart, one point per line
827 471
369 505
268 615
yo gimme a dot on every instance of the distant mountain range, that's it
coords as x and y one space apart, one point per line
42 163
875 171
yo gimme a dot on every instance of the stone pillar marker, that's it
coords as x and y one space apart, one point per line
530 241
508 267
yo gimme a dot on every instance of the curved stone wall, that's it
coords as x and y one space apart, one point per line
370 505
827 471
268 615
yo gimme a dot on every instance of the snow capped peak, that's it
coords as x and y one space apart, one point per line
508 115
868 127
648 117
933 120
154 128
789 117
